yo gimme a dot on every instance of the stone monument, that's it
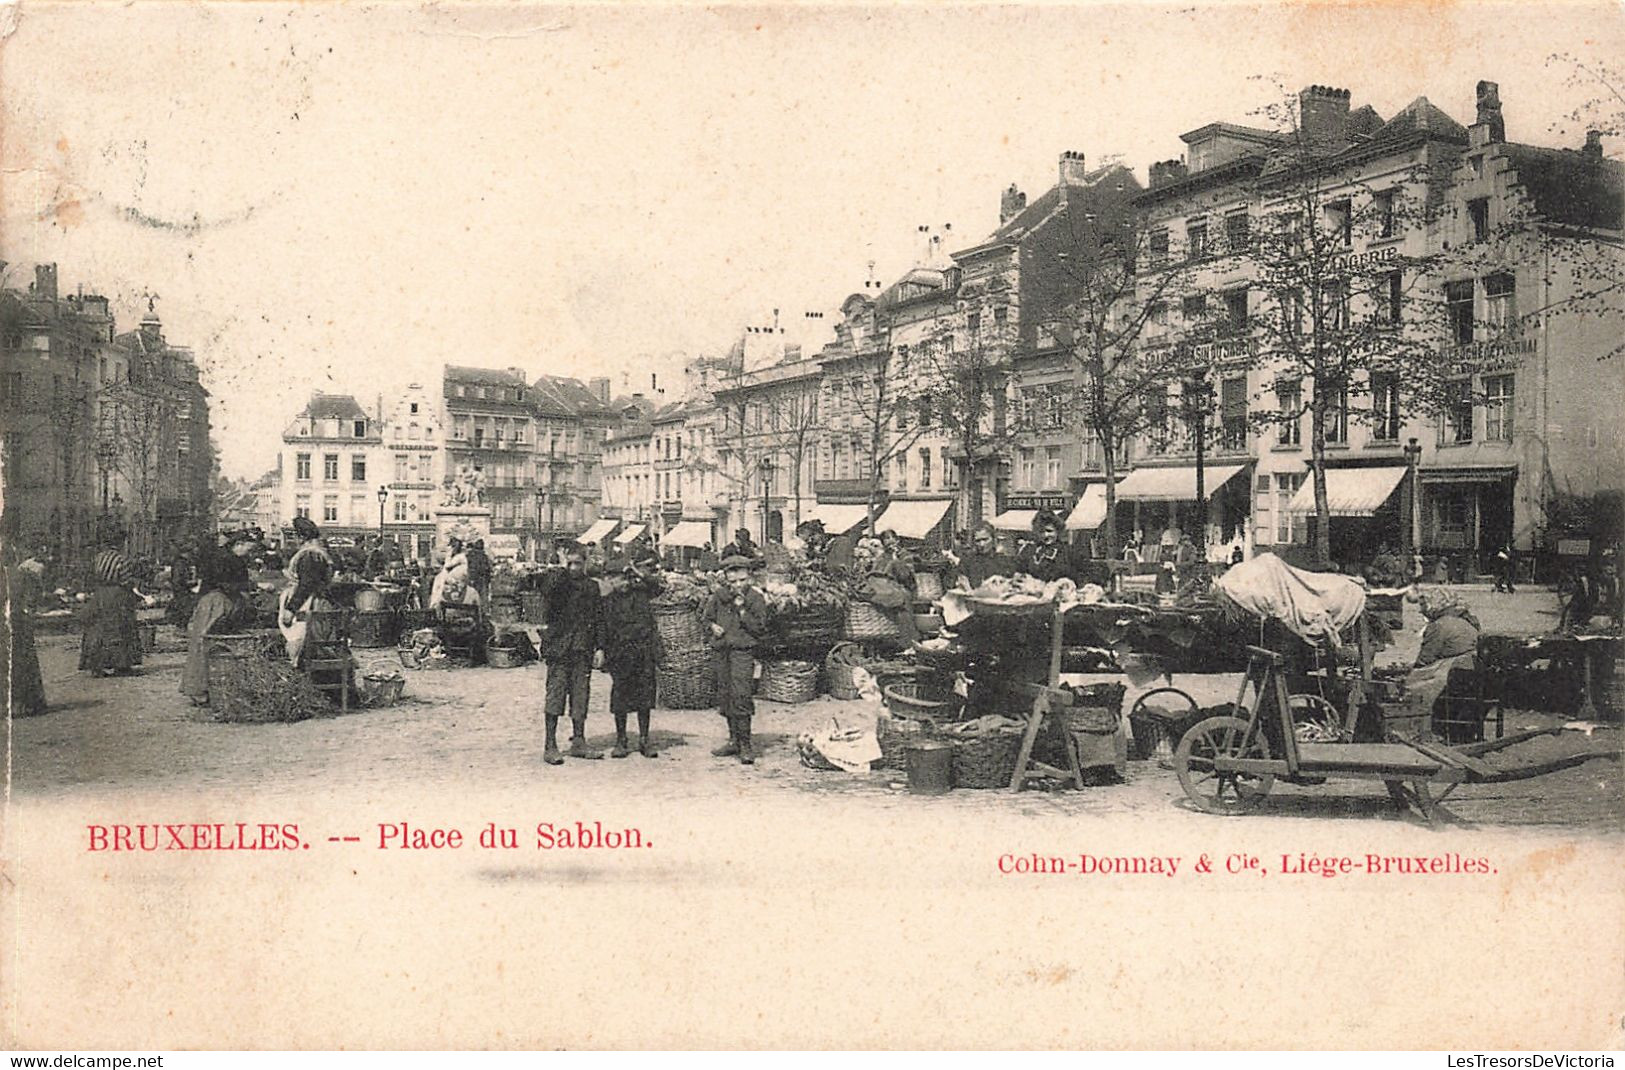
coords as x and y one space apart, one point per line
462 512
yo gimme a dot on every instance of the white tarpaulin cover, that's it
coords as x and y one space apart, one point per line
629 534
691 533
913 519
1173 484
597 532
1349 491
839 519
1015 520
1090 512
1313 605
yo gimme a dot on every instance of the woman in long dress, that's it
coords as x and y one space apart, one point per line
222 593
18 588
311 570
112 642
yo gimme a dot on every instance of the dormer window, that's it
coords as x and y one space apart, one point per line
360 429
1478 212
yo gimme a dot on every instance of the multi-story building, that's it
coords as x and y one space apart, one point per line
413 469
577 417
769 438
628 471
488 426
332 465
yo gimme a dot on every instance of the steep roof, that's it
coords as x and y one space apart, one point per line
334 407
1420 115
489 376
575 396
1570 187
1023 222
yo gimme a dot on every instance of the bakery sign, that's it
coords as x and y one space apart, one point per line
1055 503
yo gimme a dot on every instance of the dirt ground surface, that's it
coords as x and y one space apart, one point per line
771 905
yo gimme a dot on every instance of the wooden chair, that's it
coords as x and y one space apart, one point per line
327 660
1469 702
462 632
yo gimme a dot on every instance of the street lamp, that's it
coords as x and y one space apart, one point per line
767 487
1197 396
1410 506
541 493
383 496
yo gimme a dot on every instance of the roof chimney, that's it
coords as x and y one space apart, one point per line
45 281
1593 147
1167 171
1489 111
1011 204
1072 169
1323 116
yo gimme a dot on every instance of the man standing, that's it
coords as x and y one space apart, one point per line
569 637
742 546
630 644
479 570
1504 569
737 617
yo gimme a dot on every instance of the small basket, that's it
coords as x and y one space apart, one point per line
895 734
409 658
810 627
788 681
380 689
906 699
375 629
866 623
987 761
929 624
686 679
503 658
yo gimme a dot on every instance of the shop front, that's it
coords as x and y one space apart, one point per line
1364 511
1467 517
1160 504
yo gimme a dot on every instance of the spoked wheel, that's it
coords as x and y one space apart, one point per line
1314 720
1220 792
1158 711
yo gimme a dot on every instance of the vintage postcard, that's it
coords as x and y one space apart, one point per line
1083 526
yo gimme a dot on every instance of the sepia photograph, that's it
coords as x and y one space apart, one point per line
1071 526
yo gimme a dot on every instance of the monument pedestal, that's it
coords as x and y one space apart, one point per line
463 522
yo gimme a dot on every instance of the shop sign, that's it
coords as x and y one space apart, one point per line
1574 547
1218 352
1354 263
502 545
1053 502
1495 353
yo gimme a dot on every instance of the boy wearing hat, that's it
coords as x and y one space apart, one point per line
630 646
737 618
569 637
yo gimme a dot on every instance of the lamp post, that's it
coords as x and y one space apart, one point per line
383 496
767 487
1410 506
541 493
1196 398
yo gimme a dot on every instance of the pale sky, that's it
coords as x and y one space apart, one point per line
346 198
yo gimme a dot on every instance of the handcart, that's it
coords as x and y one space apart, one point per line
1227 765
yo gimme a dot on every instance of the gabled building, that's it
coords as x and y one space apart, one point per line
413 469
331 463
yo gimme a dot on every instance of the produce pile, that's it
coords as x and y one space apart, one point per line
262 690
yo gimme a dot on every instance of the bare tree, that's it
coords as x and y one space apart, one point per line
793 432
966 388
141 420
883 407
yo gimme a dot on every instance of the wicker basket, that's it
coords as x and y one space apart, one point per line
894 734
987 761
866 623
788 681
379 690
532 607
414 619
929 624
812 627
503 658
679 626
376 629
927 586
905 698
686 679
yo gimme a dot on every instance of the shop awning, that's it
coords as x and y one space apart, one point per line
1090 512
839 519
1488 473
1349 491
630 533
1015 520
1173 484
597 532
913 519
692 533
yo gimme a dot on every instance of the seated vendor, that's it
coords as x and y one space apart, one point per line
1449 641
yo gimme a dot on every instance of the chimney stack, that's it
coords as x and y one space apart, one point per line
1072 169
1593 148
1489 111
1167 171
45 281
1011 204
600 388
1323 116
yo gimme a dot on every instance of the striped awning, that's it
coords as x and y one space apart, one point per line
1015 520
630 533
1349 491
1090 512
1173 484
913 519
597 532
691 533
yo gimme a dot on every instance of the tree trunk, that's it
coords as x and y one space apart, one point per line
1317 465
1108 445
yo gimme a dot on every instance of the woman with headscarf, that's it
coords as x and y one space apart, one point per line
223 586
112 642
18 589
311 570
1449 641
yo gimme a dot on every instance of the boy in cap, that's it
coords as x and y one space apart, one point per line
629 645
569 637
737 618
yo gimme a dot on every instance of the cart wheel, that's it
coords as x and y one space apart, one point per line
1211 790
1170 702
1314 720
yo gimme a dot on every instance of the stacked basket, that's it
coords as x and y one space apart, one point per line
684 675
788 680
868 624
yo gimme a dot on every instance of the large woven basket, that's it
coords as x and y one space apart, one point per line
894 734
906 698
686 679
789 681
814 627
679 626
504 658
866 623
375 629
987 761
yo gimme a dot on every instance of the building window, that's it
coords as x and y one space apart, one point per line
1456 425
1001 316
925 469
1498 398
359 510
400 510
360 429
1028 472
479 436
1337 415
301 506
1383 206
1158 311
1501 302
1156 421
1384 406
330 467
1194 309
330 509
1235 311
1458 299
1233 413
1290 528
1454 520
1237 231
1340 222
1196 240
358 468
1478 212
950 474
1335 314
1052 467
412 408
459 428
973 324
301 466
1158 246
1391 298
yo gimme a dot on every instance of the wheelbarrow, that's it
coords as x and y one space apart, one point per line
1227 765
